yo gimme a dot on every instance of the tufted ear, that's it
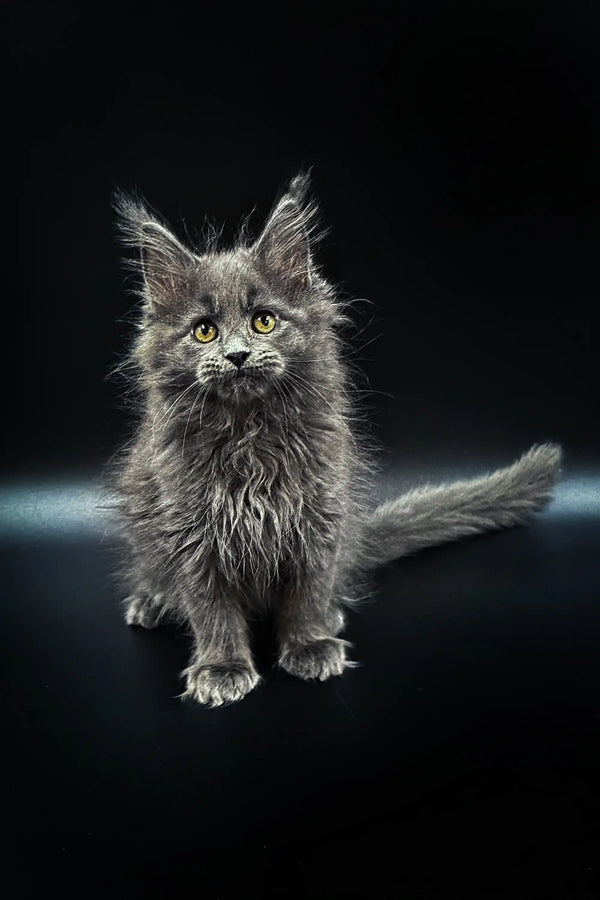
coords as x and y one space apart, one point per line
164 262
283 248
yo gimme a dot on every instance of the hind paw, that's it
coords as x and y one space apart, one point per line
145 610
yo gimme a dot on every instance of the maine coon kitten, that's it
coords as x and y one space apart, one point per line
245 487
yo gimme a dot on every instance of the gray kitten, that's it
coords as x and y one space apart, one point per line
246 488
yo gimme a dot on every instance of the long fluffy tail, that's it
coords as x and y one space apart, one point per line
434 515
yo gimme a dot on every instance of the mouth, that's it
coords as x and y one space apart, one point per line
246 374
242 381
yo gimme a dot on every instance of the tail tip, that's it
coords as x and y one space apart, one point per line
546 457
540 469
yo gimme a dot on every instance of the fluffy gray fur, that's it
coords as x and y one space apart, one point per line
246 487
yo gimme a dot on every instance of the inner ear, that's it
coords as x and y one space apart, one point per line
166 264
283 249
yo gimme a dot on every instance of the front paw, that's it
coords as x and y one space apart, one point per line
316 660
216 684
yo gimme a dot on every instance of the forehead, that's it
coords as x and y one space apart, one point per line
225 280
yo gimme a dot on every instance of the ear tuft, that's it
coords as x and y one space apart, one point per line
299 186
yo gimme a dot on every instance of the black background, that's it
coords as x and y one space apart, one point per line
455 153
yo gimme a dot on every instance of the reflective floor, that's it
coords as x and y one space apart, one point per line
465 747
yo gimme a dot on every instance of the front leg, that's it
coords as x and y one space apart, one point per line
310 619
221 670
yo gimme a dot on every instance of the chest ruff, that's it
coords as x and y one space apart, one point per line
257 512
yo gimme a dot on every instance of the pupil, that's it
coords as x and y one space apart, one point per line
204 329
265 320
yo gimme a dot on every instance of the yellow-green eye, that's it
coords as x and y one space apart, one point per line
264 322
205 331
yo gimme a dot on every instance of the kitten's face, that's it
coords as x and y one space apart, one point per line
237 323
231 330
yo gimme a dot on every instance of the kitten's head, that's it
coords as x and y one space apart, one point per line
236 321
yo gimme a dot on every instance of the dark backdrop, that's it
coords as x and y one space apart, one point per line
455 155
455 152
